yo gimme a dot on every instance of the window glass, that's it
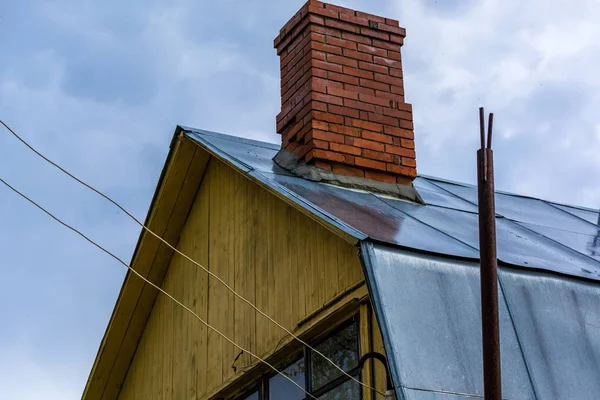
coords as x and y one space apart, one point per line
342 349
282 389
349 390
253 396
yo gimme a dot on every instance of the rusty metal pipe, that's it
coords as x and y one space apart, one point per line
490 329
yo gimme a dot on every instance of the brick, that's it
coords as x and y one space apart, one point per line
332 58
409 144
377 155
385 45
321 144
359 105
376 34
371 126
398 114
358 73
380 176
356 55
396 39
323 116
373 164
388 79
303 149
327 31
345 130
334 76
384 87
326 65
356 38
404 106
394 55
339 9
406 124
327 48
354 19
387 62
315 9
396 98
397 89
382 119
381 69
359 89
321 125
325 98
326 136
334 23
368 144
328 155
409 162
321 85
349 141
344 148
374 100
396 72
347 94
317 55
401 151
372 50
323 165
370 16
348 112
344 43
317 37
392 22
316 19
378 137
319 73
402 133
346 170
400 170
394 30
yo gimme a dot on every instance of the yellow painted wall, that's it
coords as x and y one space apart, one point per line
284 262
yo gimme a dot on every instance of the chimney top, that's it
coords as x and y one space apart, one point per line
343 115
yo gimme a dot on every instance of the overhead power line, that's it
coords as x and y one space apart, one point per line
144 227
154 286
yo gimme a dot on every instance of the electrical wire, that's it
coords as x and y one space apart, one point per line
141 224
154 286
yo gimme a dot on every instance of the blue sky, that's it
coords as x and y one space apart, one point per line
100 86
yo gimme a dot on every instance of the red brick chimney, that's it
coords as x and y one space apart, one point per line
342 95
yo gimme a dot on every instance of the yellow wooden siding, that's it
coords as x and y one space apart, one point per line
284 262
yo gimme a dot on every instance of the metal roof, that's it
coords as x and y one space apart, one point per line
531 233
421 267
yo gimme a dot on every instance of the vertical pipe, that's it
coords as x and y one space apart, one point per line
489 271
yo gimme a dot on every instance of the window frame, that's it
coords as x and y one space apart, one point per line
262 384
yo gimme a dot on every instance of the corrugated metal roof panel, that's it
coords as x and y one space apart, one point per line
532 233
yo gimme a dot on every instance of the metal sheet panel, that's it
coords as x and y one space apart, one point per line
557 320
429 311
411 394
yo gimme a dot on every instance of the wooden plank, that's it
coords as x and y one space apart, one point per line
366 346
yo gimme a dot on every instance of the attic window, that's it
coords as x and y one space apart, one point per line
316 375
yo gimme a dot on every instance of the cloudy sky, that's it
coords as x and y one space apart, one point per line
100 86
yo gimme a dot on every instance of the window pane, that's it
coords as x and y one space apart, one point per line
282 389
253 396
342 349
349 390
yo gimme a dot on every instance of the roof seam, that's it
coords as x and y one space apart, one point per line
571 214
569 249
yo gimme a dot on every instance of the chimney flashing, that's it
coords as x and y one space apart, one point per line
291 162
